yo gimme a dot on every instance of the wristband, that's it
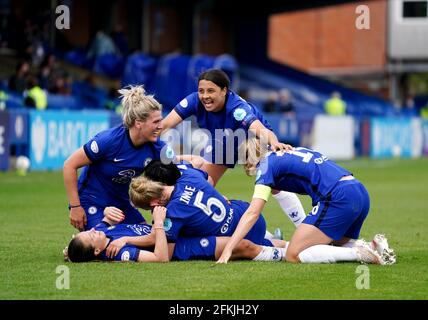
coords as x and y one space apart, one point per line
71 207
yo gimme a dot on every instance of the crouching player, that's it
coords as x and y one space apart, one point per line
134 242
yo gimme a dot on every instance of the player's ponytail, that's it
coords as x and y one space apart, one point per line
143 190
137 105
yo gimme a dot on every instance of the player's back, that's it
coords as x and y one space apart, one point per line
197 206
302 171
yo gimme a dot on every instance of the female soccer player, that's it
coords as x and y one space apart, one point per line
134 242
111 159
195 208
217 108
341 204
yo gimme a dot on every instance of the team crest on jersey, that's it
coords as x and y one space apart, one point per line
167 225
125 256
204 242
239 114
146 162
94 147
92 210
184 103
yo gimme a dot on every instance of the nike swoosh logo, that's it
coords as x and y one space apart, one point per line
117 160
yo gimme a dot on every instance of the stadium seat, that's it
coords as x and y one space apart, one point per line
228 64
171 79
61 102
109 65
140 69
197 64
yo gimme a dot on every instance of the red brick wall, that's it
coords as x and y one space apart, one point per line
328 38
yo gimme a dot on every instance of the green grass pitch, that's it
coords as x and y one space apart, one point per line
34 229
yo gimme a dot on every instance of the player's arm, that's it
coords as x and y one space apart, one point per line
171 120
77 160
138 241
161 245
266 135
196 161
247 221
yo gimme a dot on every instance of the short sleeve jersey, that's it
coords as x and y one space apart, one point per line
197 209
128 252
223 125
302 171
114 162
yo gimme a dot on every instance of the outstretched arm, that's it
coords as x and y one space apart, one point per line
171 120
268 136
246 222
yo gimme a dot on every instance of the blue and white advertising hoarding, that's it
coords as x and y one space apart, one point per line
396 137
424 125
4 140
54 135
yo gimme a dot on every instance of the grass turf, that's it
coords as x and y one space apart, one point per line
34 229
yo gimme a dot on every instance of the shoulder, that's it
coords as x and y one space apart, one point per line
110 136
189 101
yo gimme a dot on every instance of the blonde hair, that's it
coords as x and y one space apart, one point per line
143 190
254 151
137 105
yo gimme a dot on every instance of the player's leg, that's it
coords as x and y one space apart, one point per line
278 243
330 221
291 205
247 249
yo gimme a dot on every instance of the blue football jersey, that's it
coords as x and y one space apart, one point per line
128 252
196 208
237 114
115 161
302 171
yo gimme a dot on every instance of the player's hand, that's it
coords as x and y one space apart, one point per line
78 218
225 256
278 146
114 214
114 247
159 214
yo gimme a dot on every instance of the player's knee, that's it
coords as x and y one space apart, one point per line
244 247
292 255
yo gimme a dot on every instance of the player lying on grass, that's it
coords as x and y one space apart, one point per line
341 204
136 244
194 206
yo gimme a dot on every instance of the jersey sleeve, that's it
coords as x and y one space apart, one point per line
188 106
127 253
200 173
98 147
172 226
243 115
264 173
